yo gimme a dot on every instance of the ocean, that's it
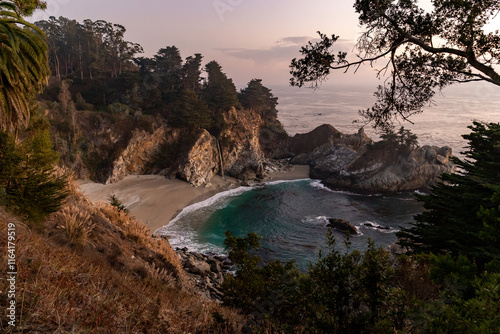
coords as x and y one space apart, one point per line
292 216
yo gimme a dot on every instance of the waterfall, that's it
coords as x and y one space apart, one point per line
220 158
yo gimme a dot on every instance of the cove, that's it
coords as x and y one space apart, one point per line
291 217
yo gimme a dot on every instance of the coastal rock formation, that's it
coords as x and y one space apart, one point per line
382 168
200 162
304 149
242 156
342 225
205 272
139 153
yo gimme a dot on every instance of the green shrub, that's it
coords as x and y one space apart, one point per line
31 185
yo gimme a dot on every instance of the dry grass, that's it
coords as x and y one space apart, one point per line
76 224
121 280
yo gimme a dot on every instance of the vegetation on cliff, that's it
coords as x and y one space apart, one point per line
461 213
101 94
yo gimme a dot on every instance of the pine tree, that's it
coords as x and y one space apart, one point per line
30 186
451 221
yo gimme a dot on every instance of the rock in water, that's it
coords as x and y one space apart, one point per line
342 225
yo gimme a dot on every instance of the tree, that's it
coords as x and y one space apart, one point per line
259 98
191 73
220 91
461 209
23 63
424 52
191 112
29 185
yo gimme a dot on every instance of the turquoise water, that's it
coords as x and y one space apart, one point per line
291 217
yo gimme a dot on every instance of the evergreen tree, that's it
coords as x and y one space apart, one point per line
191 73
191 112
220 91
30 186
259 98
450 222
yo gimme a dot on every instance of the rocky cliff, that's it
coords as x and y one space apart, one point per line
236 151
107 147
379 167
138 155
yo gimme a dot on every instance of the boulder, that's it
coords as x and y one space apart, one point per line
342 225
196 266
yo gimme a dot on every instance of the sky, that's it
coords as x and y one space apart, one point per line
249 38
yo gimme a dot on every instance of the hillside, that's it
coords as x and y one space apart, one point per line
94 269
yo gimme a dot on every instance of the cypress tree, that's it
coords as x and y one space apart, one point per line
451 222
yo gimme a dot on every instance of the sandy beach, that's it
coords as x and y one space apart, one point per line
156 200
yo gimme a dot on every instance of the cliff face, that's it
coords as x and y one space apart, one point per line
242 155
138 155
200 162
108 147
238 145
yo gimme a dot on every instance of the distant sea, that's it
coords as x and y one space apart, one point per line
292 216
441 124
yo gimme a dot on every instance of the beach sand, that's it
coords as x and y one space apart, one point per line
155 200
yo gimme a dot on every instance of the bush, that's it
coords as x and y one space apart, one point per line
31 186
341 293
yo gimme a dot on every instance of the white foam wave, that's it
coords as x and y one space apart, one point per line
284 181
203 204
318 185
370 225
319 220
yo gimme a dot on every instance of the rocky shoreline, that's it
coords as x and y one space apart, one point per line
205 272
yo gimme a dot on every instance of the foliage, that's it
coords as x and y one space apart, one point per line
23 64
31 185
460 211
424 51
341 293
107 76
219 93
468 303
90 50
114 201
191 112
403 140
259 98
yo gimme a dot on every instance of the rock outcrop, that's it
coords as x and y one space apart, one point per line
106 148
205 271
238 145
138 155
342 225
304 149
200 162
380 167
242 156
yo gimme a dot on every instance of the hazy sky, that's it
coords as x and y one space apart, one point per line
249 38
